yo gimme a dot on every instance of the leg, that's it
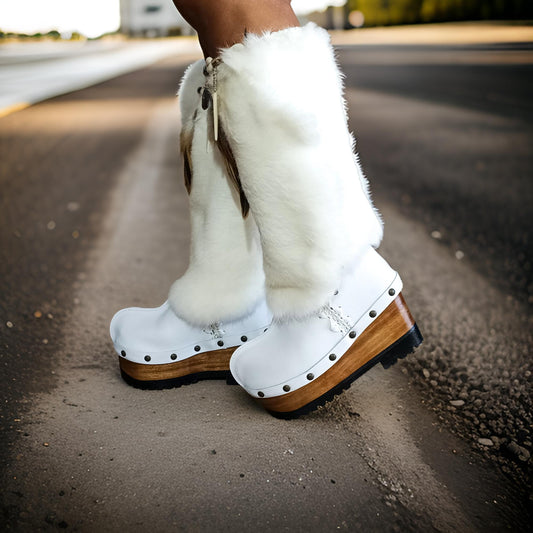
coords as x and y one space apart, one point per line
336 303
219 302
222 23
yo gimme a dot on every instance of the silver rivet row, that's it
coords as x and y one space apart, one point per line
214 331
336 315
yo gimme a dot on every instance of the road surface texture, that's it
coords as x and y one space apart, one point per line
94 217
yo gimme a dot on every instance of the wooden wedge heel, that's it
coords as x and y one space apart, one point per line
208 365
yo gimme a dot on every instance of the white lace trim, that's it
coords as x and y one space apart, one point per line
215 331
337 320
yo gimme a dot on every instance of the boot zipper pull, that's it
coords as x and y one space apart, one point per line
211 71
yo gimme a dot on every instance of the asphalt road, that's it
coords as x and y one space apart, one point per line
93 217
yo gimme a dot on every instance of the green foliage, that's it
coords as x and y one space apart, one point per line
54 34
386 12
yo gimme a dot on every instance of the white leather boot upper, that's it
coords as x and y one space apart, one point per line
292 353
159 336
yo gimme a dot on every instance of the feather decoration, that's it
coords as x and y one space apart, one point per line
231 168
186 149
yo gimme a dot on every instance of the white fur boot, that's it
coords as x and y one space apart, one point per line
278 109
218 304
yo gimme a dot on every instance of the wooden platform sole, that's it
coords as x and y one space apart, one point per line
392 335
208 365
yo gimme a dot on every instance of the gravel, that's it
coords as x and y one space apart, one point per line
518 452
486 400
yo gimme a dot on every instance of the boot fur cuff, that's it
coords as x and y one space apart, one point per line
224 280
282 107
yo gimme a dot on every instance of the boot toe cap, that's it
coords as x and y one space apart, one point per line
137 328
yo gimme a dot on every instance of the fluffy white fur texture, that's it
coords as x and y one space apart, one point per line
224 280
282 106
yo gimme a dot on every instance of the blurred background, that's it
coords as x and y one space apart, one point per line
75 19
94 218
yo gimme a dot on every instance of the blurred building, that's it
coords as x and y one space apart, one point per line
330 14
331 18
151 18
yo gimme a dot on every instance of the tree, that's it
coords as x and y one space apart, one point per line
385 12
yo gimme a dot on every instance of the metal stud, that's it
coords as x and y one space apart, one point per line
147 358
286 388
392 292
123 353
332 357
244 338
173 356
261 394
352 334
220 343
197 348
372 314
310 376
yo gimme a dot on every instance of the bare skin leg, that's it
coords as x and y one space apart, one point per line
222 23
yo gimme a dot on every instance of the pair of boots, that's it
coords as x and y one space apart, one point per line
284 287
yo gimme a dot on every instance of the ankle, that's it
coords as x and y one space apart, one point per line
231 20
